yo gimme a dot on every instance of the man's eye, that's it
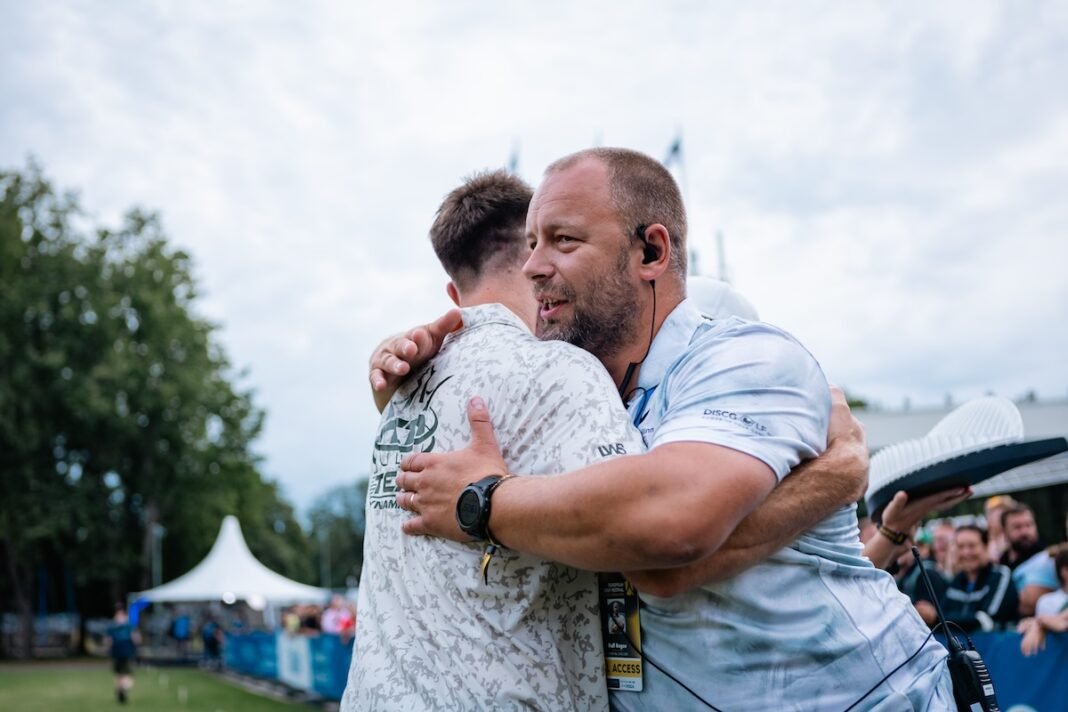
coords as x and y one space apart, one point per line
565 238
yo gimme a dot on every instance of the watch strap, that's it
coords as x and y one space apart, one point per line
487 510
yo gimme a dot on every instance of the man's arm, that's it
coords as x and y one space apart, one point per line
813 490
399 355
1054 622
902 516
811 493
1029 597
669 507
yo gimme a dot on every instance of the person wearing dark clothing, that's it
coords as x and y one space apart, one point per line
122 643
1021 533
181 632
910 582
212 636
982 593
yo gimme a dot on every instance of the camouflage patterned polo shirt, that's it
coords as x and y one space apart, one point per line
432 634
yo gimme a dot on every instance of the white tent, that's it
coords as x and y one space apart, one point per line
231 573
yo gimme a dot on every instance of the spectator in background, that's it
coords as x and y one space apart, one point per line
1051 611
1036 577
348 632
338 617
291 620
181 631
944 553
982 593
1021 532
910 582
993 509
211 634
924 542
122 644
309 620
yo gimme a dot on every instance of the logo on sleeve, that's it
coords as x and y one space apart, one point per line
611 449
731 417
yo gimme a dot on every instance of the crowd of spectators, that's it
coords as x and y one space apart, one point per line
338 618
993 572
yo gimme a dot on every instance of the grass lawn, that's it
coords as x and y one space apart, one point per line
88 687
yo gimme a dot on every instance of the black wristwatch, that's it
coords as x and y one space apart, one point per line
473 506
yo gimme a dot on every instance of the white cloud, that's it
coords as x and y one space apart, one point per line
889 177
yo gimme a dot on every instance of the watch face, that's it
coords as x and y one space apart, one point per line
468 508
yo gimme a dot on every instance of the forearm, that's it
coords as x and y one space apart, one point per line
1029 597
1055 623
638 512
807 496
810 494
927 612
881 551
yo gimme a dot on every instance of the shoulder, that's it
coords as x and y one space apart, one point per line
737 341
539 364
514 349
735 356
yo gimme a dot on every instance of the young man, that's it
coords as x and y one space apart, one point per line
727 409
122 644
437 631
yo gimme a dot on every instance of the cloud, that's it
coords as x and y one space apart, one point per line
888 177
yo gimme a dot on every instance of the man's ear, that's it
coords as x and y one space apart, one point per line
454 295
657 252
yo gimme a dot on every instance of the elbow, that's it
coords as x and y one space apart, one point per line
666 583
676 543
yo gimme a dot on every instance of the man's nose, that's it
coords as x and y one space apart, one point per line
538 266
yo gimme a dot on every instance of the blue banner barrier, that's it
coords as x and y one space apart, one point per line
330 660
317 663
1038 683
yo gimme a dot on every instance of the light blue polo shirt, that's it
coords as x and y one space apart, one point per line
814 626
1036 571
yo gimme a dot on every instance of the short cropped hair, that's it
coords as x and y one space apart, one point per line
481 222
983 536
1018 508
643 192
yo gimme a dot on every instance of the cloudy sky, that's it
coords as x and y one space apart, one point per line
891 178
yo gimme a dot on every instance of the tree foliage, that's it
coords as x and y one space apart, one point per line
337 529
118 408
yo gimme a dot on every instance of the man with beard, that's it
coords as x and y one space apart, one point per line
441 626
1021 533
727 408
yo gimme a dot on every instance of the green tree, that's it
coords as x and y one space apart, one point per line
119 411
48 340
337 528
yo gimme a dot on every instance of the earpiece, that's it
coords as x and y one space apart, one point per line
651 253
